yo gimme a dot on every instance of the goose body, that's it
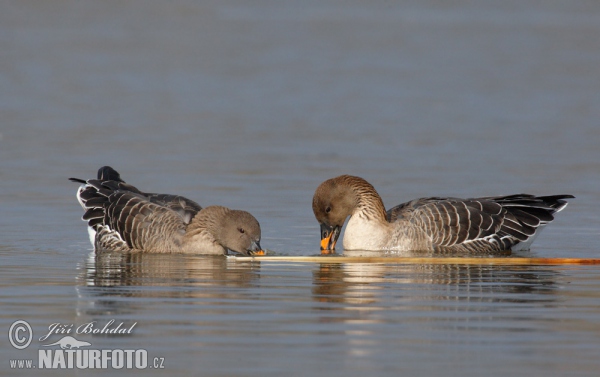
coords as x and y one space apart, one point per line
122 218
477 225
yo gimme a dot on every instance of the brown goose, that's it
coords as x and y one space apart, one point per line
122 218
478 225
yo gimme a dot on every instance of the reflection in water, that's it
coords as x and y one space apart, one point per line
117 283
349 283
380 305
112 269
360 283
358 309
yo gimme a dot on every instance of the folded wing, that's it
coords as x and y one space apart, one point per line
481 224
121 217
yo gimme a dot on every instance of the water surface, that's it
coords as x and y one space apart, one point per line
251 106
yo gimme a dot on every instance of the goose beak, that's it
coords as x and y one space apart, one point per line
329 237
255 249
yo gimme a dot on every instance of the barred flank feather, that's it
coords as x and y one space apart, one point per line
121 215
492 223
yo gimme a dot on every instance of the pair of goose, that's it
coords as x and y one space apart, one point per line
122 218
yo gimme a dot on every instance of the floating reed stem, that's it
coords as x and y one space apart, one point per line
426 260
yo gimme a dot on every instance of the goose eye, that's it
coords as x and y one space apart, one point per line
241 230
327 209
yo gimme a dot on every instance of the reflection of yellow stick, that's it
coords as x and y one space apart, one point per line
425 260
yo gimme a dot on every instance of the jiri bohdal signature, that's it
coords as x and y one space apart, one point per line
88 328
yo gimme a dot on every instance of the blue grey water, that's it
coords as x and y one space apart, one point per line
251 105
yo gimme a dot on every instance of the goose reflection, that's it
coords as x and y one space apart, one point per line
374 283
116 269
364 298
171 290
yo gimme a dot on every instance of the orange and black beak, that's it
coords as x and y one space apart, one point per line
329 237
255 249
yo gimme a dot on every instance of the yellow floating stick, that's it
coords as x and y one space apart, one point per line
425 260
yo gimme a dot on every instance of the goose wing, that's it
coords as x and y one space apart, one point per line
125 217
480 224
185 207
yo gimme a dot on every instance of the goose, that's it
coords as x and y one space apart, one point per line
122 218
436 224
